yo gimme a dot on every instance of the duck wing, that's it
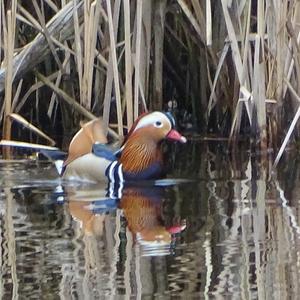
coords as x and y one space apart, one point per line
104 151
82 143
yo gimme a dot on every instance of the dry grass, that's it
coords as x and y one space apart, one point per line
228 63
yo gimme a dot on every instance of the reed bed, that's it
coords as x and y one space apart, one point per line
224 67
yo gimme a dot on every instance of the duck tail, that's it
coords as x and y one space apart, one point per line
57 157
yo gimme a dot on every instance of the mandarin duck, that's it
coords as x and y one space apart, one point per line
139 158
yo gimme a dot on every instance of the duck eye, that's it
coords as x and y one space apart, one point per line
158 124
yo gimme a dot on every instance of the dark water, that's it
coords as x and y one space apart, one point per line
230 232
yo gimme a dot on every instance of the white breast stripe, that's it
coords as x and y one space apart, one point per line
121 180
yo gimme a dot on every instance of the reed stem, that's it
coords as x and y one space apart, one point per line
11 18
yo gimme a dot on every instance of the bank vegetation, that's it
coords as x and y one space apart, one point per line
228 68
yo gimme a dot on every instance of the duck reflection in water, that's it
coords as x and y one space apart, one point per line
89 205
142 208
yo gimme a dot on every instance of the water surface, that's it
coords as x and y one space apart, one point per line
231 231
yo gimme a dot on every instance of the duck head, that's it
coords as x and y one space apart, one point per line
157 126
141 157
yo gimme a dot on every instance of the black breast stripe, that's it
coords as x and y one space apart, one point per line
114 172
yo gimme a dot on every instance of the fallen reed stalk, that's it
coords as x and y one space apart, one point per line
53 99
88 115
26 145
46 34
32 89
31 127
35 52
191 18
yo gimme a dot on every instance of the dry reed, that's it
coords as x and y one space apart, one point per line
237 60
8 57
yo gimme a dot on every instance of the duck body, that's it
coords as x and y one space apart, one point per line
139 158
88 167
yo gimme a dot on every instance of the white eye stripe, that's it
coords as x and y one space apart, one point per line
152 119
